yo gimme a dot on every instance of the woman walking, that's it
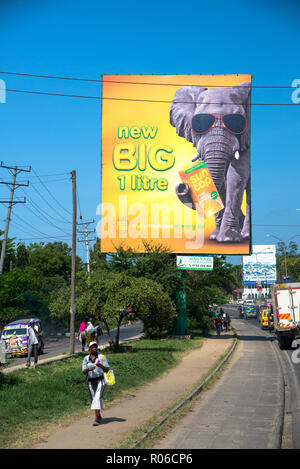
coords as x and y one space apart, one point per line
82 335
93 366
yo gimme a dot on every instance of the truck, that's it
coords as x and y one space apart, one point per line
285 308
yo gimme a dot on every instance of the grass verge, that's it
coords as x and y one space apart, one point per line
51 395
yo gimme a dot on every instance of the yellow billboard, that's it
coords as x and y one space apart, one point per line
175 162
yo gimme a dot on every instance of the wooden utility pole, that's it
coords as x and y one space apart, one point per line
73 274
11 202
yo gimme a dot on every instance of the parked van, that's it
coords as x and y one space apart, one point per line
15 337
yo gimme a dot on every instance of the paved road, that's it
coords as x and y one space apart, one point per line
291 366
245 408
61 345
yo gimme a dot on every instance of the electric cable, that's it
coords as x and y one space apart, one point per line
101 98
41 215
54 198
47 237
138 83
26 223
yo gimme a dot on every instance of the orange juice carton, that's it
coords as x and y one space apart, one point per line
203 190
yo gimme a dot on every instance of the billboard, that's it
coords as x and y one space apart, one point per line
194 262
175 163
259 269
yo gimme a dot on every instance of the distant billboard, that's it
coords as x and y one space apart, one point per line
195 262
260 267
175 154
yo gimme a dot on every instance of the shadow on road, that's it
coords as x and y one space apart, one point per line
256 338
112 419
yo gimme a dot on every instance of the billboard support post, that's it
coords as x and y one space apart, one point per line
180 324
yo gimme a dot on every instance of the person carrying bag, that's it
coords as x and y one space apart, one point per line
95 366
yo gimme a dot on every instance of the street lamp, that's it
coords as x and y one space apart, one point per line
284 247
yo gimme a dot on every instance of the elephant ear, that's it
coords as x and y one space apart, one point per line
241 95
183 109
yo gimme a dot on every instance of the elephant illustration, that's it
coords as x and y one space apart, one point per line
217 122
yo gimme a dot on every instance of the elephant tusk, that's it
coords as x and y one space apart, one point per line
196 157
237 155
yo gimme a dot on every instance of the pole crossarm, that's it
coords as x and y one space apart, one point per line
19 170
13 202
16 185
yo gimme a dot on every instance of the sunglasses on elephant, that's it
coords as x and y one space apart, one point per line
235 123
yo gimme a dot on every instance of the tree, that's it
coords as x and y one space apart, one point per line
287 259
22 256
207 289
14 293
10 256
113 295
52 259
156 263
98 260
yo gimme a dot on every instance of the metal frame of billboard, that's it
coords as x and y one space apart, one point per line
120 233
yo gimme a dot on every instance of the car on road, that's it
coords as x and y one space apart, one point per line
15 337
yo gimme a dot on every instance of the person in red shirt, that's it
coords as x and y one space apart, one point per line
218 324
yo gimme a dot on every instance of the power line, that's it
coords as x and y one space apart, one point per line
61 206
46 237
43 198
45 219
26 223
19 226
138 83
49 181
254 224
45 176
78 203
101 98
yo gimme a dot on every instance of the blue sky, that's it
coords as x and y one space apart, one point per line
85 39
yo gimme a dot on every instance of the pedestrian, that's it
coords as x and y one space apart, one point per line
226 321
32 343
93 366
98 334
223 317
229 321
218 324
82 335
90 333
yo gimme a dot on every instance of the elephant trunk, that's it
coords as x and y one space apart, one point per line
217 149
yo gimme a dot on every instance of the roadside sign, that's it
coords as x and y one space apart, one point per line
194 262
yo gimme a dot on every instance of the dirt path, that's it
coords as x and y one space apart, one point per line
122 418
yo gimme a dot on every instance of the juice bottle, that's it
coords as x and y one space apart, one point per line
203 190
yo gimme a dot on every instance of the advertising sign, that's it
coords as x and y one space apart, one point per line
195 262
260 267
175 163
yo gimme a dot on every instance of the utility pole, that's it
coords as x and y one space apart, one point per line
11 202
73 274
86 232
